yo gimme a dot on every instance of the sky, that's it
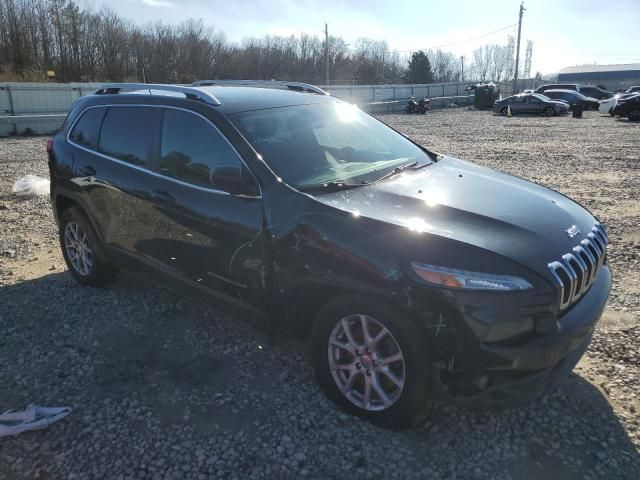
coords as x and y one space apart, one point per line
564 32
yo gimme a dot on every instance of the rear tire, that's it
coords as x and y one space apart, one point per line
549 111
82 250
395 369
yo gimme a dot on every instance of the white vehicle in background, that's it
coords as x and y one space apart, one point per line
606 106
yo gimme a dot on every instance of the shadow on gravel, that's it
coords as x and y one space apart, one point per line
570 433
135 360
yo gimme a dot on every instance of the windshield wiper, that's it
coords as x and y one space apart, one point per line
400 169
333 186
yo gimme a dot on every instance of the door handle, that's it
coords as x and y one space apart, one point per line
87 170
162 196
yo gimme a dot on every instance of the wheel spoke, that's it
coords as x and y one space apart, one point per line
381 334
74 231
344 346
391 376
342 366
367 391
350 381
347 331
382 395
396 357
365 330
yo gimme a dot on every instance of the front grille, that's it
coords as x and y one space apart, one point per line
577 270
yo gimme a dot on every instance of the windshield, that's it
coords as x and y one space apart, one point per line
311 145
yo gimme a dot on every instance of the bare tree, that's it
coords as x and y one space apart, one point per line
83 44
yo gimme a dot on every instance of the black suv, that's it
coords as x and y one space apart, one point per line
420 277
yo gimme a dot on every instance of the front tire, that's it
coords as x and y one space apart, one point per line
503 112
83 251
372 362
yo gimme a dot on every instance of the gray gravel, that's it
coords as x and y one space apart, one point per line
167 387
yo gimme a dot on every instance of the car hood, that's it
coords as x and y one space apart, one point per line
511 217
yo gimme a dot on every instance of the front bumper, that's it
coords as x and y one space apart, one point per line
504 376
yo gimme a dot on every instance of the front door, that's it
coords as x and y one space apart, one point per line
203 234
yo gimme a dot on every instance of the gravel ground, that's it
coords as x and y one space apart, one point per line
164 387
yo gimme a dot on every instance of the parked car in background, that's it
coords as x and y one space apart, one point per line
587 90
573 98
594 92
418 276
634 89
530 103
558 86
607 105
628 107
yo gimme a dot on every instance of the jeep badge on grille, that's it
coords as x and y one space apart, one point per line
572 231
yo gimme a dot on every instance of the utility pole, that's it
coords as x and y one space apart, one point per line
462 70
326 53
515 74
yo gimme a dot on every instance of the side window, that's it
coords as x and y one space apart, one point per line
128 134
86 130
190 148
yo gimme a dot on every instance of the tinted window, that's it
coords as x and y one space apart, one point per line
128 134
86 130
191 148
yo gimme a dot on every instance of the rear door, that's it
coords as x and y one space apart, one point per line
114 147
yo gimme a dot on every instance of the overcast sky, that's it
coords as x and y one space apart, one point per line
564 32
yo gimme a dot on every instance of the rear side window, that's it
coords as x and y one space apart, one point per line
190 148
128 134
86 130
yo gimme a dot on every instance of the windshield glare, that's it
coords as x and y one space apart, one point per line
310 145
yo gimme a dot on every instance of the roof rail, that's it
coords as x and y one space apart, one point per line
295 86
190 92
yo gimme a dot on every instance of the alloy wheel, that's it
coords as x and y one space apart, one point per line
76 244
366 362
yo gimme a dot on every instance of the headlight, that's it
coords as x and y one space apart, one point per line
449 277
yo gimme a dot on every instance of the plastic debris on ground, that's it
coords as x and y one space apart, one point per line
31 185
32 418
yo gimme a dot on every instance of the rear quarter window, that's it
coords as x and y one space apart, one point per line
128 134
87 129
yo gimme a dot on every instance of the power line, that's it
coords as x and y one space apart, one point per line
458 42
473 38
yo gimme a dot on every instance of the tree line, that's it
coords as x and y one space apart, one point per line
85 44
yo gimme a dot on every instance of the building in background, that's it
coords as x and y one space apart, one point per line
611 76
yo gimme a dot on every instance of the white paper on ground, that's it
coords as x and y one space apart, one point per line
31 185
31 418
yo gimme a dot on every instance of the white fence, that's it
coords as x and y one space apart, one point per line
40 108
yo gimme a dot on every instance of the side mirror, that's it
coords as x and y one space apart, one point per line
227 177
